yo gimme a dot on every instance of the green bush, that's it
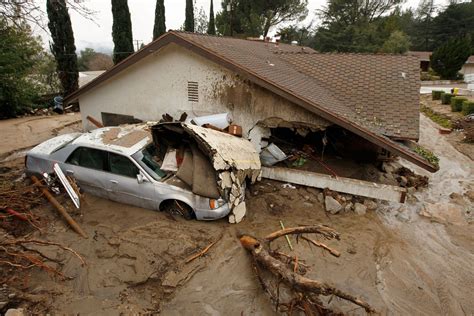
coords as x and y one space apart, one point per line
436 94
456 103
446 98
467 107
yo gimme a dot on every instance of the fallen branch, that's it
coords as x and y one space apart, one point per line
325 231
333 252
201 253
306 290
49 243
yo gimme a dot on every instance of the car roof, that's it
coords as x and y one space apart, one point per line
124 139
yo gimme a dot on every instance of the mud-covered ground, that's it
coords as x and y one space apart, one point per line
403 259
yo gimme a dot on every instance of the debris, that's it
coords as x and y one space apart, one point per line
271 155
287 238
59 207
288 186
15 312
305 291
348 207
333 252
343 185
94 121
69 188
220 121
332 205
235 130
238 213
371 205
230 161
202 252
360 209
15 214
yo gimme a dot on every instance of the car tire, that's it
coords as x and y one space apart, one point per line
175 207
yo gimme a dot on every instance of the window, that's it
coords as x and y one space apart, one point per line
88 158
193 91
123 166
148 160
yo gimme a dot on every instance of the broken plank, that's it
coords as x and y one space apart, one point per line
339 184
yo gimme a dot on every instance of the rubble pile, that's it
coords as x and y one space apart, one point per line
395 174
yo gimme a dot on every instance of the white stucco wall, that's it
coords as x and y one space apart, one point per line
468 71
158 84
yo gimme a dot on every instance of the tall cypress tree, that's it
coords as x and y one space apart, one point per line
211 28
121 30
160 22
63 47
189 22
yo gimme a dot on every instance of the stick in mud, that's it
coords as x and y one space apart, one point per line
201 253
59 207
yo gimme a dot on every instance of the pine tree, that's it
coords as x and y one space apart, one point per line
160 24
211 29
448 59
121 30
189 21
63 47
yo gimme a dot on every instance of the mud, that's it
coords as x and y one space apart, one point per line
396 258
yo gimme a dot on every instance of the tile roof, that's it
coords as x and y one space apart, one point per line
422 56
374 96
379 92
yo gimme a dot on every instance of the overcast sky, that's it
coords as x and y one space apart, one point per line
97 34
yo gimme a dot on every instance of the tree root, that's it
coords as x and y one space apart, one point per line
306 290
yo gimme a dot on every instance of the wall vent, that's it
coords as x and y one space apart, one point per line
193 91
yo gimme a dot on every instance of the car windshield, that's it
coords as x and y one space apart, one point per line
149 160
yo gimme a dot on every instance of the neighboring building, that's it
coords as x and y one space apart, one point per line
424 58
87 76
468 71
265 85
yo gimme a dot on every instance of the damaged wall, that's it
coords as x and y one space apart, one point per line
158 84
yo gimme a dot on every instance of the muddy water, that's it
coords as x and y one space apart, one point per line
399 261
435 265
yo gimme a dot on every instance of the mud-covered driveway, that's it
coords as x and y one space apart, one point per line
398 260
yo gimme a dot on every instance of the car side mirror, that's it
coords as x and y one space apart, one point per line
141 178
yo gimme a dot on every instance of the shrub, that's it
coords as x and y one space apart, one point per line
436 94
428 155
467 107
456 103
446 98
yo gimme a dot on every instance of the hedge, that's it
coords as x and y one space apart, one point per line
436 94
446 98
467 107
456 103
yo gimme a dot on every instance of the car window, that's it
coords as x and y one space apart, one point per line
148 159
123 166
88 158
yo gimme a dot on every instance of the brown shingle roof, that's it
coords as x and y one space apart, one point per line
382 89
385 103
422 56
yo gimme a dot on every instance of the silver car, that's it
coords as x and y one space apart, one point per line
118 163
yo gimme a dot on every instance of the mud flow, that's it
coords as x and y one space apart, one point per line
404 259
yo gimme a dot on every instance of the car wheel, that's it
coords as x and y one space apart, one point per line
175 207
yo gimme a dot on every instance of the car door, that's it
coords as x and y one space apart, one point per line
123 185
88 166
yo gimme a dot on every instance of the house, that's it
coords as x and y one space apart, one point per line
265 86
468 72
424 58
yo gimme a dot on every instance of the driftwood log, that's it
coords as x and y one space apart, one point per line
306 290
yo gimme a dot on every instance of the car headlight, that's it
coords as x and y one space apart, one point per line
213 204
